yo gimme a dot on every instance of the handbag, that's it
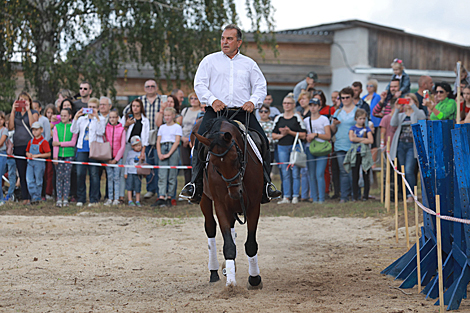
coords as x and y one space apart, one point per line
101 151
298 158
144 171
318 148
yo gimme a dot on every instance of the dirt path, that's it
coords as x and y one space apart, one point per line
106 263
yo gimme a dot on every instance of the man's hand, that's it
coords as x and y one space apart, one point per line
248 106
218 105
383 95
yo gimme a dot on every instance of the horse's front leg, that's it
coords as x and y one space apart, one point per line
251 249
210 225
230 250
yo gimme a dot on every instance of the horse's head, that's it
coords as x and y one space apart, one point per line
226 160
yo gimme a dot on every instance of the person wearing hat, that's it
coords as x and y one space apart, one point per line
133 182
38 148
306 85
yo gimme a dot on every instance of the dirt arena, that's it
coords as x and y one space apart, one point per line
108 263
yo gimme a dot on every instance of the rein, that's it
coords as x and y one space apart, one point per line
243 162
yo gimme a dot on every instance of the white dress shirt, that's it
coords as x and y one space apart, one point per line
233 81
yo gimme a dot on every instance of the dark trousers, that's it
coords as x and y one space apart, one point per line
355 176
21 166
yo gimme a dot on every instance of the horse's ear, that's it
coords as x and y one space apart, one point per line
202 139
227 136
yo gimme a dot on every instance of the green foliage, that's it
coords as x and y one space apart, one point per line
58 43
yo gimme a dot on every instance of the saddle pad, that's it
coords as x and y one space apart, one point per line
250 140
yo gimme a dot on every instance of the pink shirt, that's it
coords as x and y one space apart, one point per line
55 137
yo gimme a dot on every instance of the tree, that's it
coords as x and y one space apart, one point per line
60 42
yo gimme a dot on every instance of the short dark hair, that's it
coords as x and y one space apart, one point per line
347 91
266 107
357 84
38 102
395 80
88 83
359 113
233 26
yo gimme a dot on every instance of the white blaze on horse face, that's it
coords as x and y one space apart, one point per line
230 272
213 262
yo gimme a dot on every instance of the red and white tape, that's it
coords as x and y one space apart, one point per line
427 210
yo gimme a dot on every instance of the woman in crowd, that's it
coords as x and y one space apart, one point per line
267 125
372 98
286 127
343 120
135 123
172 102
445 109
402 143
21 120
318 129
90 128
304 112
465 104
189 116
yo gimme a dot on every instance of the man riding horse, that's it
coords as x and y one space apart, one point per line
227 81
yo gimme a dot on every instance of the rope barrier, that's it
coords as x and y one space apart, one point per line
415 198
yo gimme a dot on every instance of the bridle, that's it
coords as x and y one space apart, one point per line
241 170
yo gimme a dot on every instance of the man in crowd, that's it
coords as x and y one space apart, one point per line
273 110
384 108
424 83
85 94
306 85
105 107
361 104
214 86
179 94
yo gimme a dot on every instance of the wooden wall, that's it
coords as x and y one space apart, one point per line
416 52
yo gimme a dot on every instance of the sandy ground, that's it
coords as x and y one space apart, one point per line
106 263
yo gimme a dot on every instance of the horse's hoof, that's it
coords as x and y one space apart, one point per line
224 266
254 283
214 277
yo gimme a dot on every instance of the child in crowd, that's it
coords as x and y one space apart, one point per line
361 134
116 136
133 183
37 148
267 126
168 138
11 165
63 144
399 73
3 146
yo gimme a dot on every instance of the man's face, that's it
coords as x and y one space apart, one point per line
85 90
229 42
429 83
310 82
104 106
394 87
334 97
150 87
36 107
180 96
357 91
268 100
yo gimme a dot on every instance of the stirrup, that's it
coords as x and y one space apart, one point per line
269 184
184 187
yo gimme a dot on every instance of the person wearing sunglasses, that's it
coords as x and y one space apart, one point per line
85 94
446 108
343 120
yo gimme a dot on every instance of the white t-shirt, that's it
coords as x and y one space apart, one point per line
169 133
316 126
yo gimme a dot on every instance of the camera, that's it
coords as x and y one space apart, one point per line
87 110
403 101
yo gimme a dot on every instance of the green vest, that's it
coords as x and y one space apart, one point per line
65 152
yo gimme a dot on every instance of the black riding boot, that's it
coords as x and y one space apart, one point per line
193 190
269 190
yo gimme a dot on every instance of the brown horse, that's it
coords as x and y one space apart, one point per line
233 181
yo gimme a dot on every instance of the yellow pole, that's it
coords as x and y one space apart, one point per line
396 199
387 183
418 256
458 93
405 208
439 254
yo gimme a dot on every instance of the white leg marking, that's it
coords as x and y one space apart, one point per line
213 263
230 271
234 236
253 268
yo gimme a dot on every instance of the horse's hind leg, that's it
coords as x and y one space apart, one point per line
251 249
210 226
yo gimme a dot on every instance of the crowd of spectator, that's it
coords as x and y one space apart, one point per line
357 129
341 139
